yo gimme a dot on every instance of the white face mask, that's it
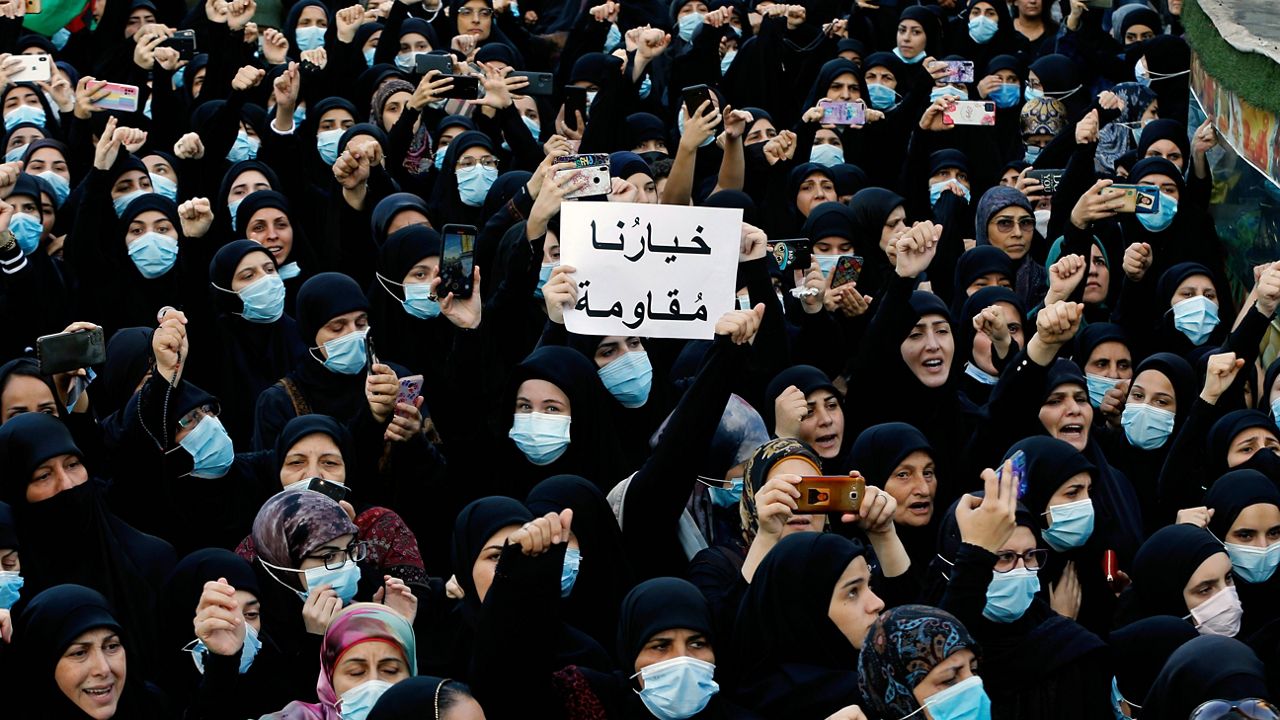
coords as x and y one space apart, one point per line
1220 614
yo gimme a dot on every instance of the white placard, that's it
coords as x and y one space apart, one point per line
660 271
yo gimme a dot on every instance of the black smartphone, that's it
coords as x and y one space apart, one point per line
694 96
332 490
427 62
184 41
575 101
64 352
540 83
1047 178
465 87
457 261
792 253
370 357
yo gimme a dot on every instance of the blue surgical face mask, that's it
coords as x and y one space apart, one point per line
407 62
1098 387
1147 427
826 155
980 375
343 580
1140 74
680 124
883 97
646 86
1275 408
613 40
966 700
1006 95
61 187
1034 94
263 299
327 145
543 276
1249 563
60 38
1196 317
417 299
535 129
689 25
678 688
827 263
1162 218
628 378
938 93
474 183
727 60
368 57
248 651
541 437
727 497
27 230
10 588
179 78
1032 154
1010 594
1070 525
210 448
569 571
358 702
982 29
910 61
345 354
122 203
232 207
164 187
309 38
146 109
936 190
15 154
299 114
153 254
24 113
289 271
438 159
1116 699
244 148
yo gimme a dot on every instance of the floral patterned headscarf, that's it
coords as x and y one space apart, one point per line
756 474
903 645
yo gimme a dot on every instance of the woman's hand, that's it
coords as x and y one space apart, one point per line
539 535
381 388
1065 596
321 607
1198 516
989 522
219 621
776 503
396 595
406 424
1219 374
463 313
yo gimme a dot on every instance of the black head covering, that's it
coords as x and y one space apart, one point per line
1167 55
27 441
1050 463
28 367
734 199
788 599
1057 74
1142 648
290 28
1164 564
222 270
929 21
8 530
1206 668
302 426
1007 62
387 209
1232 493
324 297
364 128
849 179
446 205
948 546
1180 376
871 209
974 304
881 448
798 174
1141 16
595 68
806 378
1157 166
477 523
182 590
1269 381
1093 335
977 262
1224 432
128 359
948 158
505 188
423 28
404 248
624 164
43 632
254 202
830 219
645 126
657 605
234 172
418 697
831 70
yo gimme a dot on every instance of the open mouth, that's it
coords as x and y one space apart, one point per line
826 442
922 507
1074 431
101 695
933 365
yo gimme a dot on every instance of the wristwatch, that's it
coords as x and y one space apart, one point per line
7 241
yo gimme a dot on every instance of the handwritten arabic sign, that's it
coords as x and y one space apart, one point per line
650 270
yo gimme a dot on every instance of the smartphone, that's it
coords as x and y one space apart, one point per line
694 97
793 254
830 494
336 492
1139 198
64 352
34 7
846 271
970 112
465 87
540 83
958 71
593 166
35 68
575 101
184 41
410 389
457 261
1049 179
122 98
1103 4
370 357
1019 460
844 113
426 62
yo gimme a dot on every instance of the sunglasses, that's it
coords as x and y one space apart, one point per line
1251 709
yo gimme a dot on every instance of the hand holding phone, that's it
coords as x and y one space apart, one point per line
970 112
835 494
64 352
457 262
335 491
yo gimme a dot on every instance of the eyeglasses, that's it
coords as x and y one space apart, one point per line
1006 560
190 419
1025 224
1253 709
356 551
488 161
467 12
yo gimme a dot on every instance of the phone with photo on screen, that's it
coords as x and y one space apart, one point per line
457 261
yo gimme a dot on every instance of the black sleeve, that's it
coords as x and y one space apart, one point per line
966 594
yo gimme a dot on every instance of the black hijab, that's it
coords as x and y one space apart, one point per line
386 211
654 606
418 698
28 367
1142 648
322 298
128 360
446 204
301 251
404 338
831 70
300 427
973 264
877 452
1164 564
871 209
1093 335
1206 668
477 523
1225 431
1232 493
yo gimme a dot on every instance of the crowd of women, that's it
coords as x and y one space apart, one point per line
1058 406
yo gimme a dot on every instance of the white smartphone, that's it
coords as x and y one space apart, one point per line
35 68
